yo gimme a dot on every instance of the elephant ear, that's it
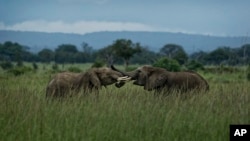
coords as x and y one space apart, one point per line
155 80
94 79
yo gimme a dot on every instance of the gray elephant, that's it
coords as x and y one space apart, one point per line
67 83
154 78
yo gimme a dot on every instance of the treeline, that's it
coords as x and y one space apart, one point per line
124 51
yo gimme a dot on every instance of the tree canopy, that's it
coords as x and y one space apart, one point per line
174 51
124 50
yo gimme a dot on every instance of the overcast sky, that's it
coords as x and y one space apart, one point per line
209 17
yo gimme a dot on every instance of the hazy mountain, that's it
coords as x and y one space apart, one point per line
153 40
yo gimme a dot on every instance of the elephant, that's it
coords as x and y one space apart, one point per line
65 82
159 79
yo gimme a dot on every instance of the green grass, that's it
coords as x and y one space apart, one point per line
126 114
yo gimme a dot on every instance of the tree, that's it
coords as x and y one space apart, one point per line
86 48
12 51
66 53
225 55
87 52
125 49
194 65
199 56
66 48
168 64
46 55
244 53
145 57
174 51
107 53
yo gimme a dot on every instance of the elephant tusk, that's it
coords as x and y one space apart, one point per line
124 78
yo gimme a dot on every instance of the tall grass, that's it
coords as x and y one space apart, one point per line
129 113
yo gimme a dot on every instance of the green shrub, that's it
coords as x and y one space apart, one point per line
248 76
97 64
194 65
169 64
35 66
131 68
6 65
55 67
248 73
19 70
19 63
74 69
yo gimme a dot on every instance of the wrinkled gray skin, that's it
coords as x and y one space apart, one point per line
154 78
62 84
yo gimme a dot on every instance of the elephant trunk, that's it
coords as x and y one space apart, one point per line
131 74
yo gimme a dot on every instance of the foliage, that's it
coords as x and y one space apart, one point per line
248 72
219 55
125 49
168 64
244 53
174 51
107 54
224 55
19 70
35 66
97 64
144 57
55 67
194 65
67 48
46 55
222 69
131 68
65 53
200 56
74 69
15 52
6 65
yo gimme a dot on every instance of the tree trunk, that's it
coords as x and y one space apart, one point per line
126 61
109 60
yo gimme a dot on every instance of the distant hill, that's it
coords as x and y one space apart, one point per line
153 40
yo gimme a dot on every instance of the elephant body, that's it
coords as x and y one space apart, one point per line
154 78
63 83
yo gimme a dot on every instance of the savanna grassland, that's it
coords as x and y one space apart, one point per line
125 114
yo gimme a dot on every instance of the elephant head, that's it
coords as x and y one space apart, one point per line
154 78
106 76
149 77
90 80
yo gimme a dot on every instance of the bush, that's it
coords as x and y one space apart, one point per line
248 73
35 66
97 64
194 65
74 69
19 63
248 76
55 67
169 64
131 68
6 65
20 70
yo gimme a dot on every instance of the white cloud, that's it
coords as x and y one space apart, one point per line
83 27
80 27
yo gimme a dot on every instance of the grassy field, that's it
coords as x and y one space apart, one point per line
125 114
